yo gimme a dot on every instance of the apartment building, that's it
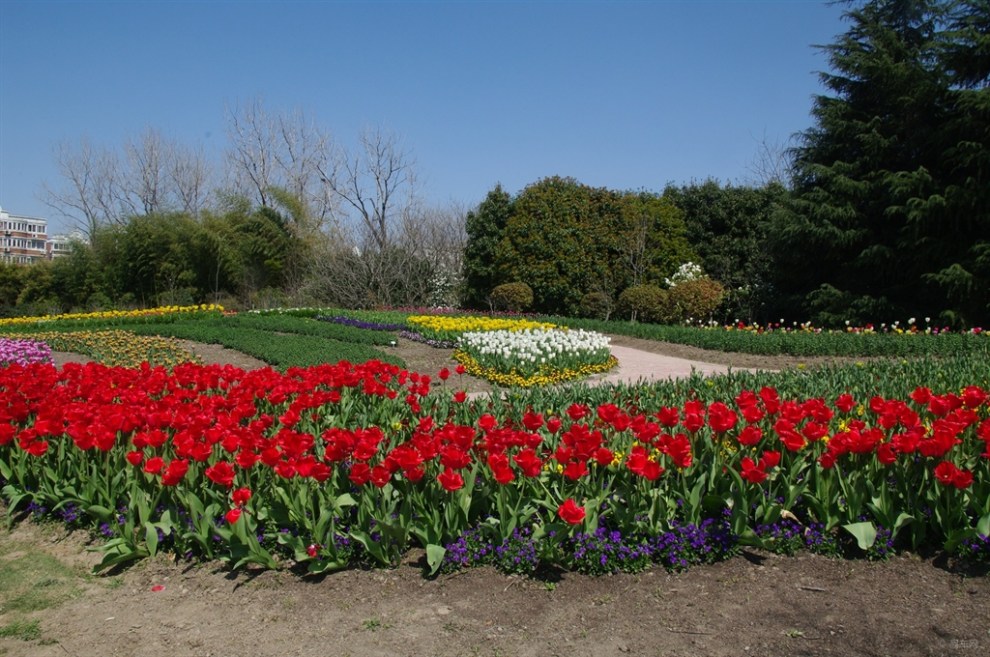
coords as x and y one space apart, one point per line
24 240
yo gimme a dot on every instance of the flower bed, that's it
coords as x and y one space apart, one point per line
449 329
24 351
335 464
531 357
358 323
121 348
110 316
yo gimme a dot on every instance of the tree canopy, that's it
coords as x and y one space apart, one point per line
889 216
565 239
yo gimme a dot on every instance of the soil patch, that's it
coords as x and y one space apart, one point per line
754 604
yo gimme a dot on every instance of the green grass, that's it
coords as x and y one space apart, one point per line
31 580
21 629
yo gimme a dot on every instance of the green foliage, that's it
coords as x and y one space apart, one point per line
11 284
596 305
729 229
888 216
484 228
644 303
566 239
513 297
169 259
696 299
651 242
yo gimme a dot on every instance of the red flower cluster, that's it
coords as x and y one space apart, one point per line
299 425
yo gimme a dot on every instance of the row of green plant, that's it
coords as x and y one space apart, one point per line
296 322
794 343
276 349
107 318
287 324
800 343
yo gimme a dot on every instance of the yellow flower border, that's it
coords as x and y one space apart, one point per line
111 314
447 325
553 376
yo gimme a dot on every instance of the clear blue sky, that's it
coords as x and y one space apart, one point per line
626 95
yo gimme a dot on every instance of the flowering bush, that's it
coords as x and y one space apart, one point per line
23 351
688 271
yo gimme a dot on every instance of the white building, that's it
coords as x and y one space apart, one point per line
24 240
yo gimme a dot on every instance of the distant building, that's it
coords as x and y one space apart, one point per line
60 245
24 240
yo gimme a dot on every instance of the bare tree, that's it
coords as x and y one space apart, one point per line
283 151
149 174
304 149
145 178
251 157
436 236
377 183
772 163
91 190
190 178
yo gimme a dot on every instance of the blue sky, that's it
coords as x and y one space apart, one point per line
626 95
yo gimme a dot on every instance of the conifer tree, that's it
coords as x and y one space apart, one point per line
886 219
484 228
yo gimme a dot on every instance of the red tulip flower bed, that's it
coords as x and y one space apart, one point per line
331 465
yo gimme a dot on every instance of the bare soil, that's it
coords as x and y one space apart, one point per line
754 604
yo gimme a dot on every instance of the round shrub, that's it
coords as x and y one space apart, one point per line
697 299
596 305
644 303
514 297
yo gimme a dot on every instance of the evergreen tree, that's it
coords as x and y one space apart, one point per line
960 212
877 228
565 240
729 228
484 228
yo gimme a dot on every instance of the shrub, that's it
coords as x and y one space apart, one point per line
645 303
596 305
696 298
514 297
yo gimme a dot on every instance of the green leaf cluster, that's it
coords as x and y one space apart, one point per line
565 239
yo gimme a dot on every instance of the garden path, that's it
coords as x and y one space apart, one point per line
637 365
